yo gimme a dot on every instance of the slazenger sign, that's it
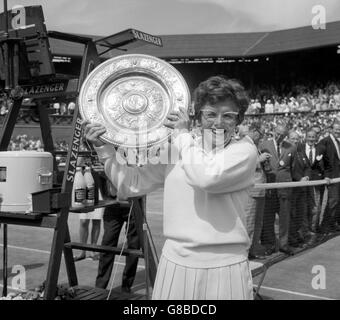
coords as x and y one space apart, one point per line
75 149
147 37
39 89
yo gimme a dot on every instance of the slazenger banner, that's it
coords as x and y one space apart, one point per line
147 37
50 88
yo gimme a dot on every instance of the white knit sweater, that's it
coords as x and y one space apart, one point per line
205 196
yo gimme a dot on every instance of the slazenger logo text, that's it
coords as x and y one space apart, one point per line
44 88
146 37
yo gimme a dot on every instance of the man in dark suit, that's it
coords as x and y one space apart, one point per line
255 208
278 200
314 194
301 171
114 218
329 152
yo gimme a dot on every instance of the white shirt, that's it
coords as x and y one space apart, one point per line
269 108
277 148
204 201
308 147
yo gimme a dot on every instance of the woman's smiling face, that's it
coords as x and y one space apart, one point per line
218 122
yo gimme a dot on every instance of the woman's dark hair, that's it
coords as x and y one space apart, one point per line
218 88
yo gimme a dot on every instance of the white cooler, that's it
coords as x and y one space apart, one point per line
22 173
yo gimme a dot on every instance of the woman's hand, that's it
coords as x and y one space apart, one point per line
93 131
178 120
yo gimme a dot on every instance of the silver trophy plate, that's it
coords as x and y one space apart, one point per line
131 95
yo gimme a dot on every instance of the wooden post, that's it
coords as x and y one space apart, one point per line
4 270
61 230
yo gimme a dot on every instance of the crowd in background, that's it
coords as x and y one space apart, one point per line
63 108
298 106
24 143
303 215
57 108
305 97
299 98
295 121
302 109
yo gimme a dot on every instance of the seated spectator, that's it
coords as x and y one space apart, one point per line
63 108
276 105
293 104
257 106
284 106
71 106
252 107
269 107
3 109
56 107
336 97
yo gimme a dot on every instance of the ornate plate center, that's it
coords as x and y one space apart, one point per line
134 102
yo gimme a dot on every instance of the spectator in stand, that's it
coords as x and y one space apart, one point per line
39 146
284 106
317 129
317 103
300 172
324 102
332 105
276 105
278 200
315 193
70 107
56 107
63 108
336 98
252 107
329 152
257 106
3 109
304 104
293 104
269 107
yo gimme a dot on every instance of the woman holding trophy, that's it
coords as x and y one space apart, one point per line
205 194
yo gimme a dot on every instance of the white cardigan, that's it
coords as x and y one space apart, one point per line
205 195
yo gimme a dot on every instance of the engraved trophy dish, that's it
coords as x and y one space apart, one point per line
131 95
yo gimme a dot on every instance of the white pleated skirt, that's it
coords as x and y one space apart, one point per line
176 282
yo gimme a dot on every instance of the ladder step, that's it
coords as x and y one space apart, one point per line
101 203
99 248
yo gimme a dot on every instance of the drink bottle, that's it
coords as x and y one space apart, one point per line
79 189
89 186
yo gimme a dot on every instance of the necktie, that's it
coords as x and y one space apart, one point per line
278 151
310 156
